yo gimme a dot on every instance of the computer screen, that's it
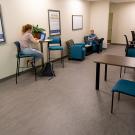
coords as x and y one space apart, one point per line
42 36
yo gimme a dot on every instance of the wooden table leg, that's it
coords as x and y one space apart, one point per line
105 77
41 46
97 75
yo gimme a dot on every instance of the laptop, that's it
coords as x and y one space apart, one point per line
42 36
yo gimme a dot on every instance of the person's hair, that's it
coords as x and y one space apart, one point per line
26 28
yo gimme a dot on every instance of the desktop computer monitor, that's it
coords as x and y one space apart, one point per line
42 36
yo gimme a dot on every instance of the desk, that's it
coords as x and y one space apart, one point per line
41 47
121 61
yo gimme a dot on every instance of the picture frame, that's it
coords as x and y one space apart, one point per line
54 22
2 33
77 22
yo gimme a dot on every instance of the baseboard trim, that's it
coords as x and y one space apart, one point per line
57 59
12 76
117 44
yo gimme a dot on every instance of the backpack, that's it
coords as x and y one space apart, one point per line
47 70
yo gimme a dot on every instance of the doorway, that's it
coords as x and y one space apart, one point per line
110 28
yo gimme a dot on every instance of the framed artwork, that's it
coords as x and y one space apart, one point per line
54 22
77 22
2 35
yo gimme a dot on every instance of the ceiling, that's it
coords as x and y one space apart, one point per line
116 1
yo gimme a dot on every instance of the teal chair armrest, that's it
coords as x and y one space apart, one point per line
76 46
81 44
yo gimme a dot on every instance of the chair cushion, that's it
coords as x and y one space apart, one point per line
55 48
55 40
24 55
70 42
125 87
131 52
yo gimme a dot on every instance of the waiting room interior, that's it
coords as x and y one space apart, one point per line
68 103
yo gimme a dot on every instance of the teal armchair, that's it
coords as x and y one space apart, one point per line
76 51
97 44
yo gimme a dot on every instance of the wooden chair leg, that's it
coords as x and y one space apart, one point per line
49 55
17 66
62 59
35 70
16 77
61 56
112 102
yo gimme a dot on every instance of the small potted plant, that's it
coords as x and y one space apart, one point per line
36 31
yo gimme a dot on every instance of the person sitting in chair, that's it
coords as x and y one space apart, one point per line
94 40
27 40
92 37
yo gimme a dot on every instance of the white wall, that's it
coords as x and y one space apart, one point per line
123 21
19 12
99 18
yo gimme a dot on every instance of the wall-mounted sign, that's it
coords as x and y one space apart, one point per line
2 36
77 22
54 22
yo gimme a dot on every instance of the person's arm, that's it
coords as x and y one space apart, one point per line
33 40
94 36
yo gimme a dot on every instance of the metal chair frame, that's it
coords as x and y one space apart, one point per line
18 56
62 52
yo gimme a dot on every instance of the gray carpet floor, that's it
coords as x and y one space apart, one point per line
69 103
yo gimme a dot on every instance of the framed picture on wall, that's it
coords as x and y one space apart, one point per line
77 22
54 22
2 35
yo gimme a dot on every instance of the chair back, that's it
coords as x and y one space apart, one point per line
55 40
86 41
133 35
127 45
17 43
69 42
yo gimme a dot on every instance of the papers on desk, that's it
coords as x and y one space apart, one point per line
87 45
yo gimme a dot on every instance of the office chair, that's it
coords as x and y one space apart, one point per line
55 45
133 36
130 48
129 51
19 56
97 45
125 87
76 51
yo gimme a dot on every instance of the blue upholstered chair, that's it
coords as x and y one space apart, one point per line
76 51
133 36
130 49
97 45
125 87
55 45
20 56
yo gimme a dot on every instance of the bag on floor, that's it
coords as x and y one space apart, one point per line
47 70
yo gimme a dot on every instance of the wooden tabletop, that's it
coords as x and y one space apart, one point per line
116 60
47 40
